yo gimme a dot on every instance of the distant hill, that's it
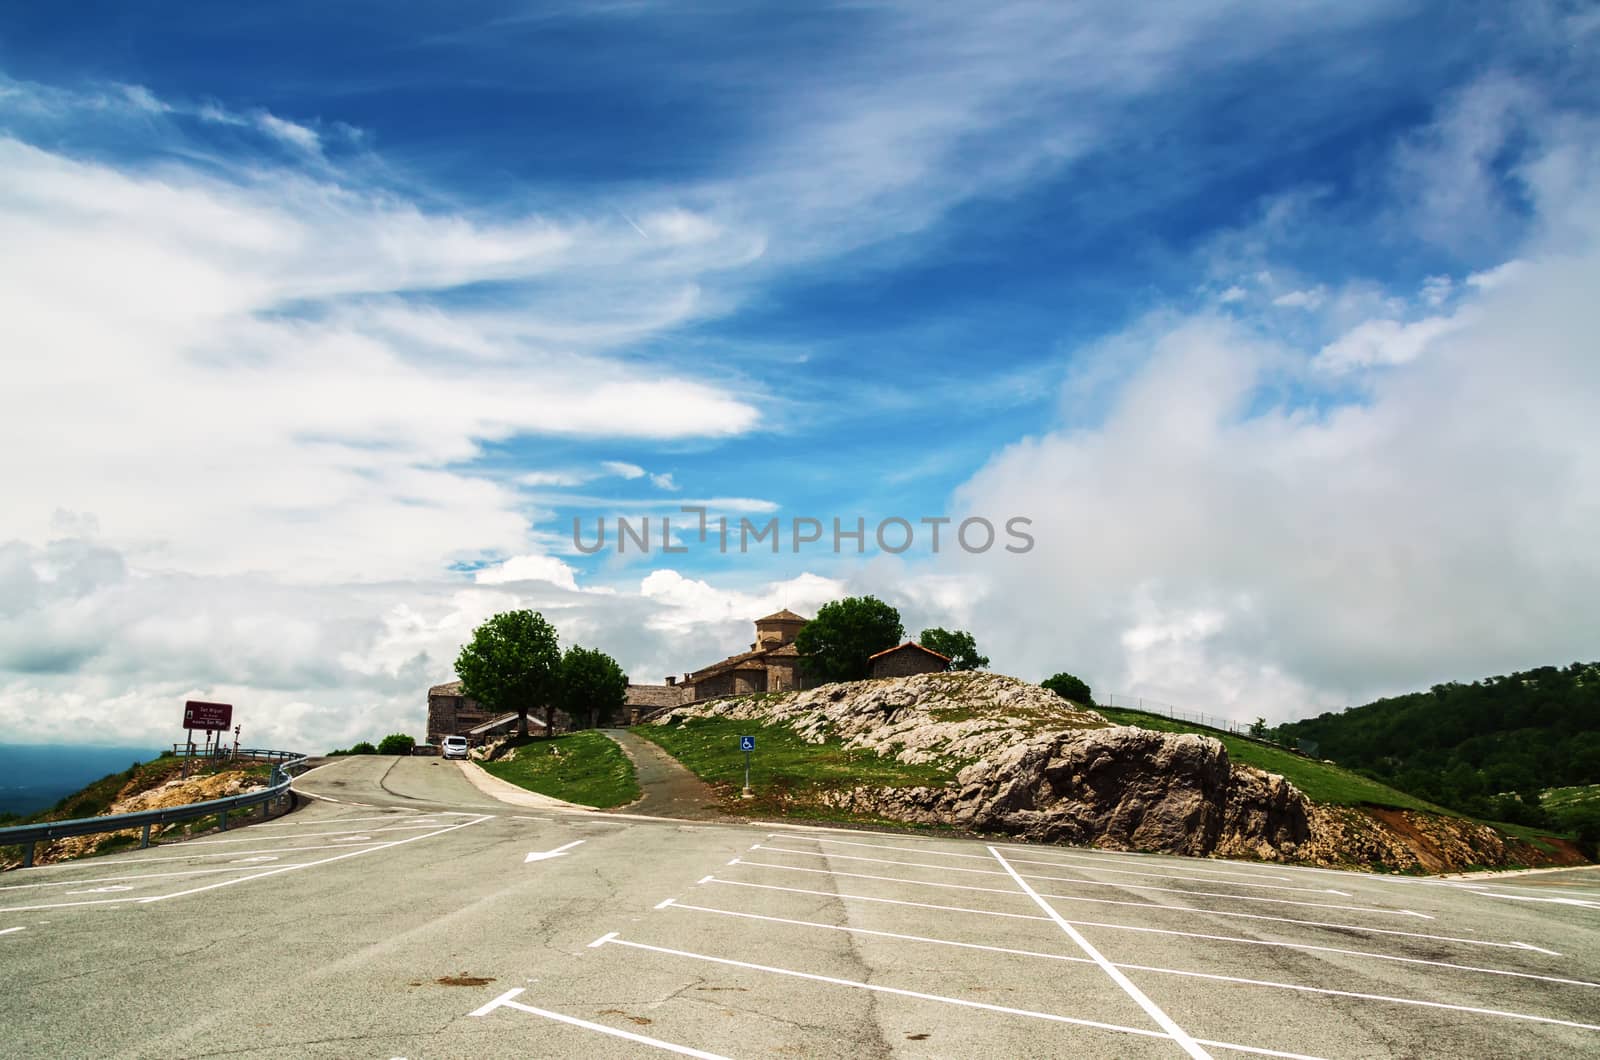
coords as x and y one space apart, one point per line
1486 748
34 777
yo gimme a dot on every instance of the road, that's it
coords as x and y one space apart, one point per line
407 919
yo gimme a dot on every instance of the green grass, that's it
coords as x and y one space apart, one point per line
1558 799
1320 782
583 767
786 772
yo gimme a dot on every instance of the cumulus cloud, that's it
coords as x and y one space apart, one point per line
1220 542
168 371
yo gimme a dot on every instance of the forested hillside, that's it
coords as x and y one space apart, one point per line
1487 748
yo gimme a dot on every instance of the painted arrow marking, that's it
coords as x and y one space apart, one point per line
547 854
1531 898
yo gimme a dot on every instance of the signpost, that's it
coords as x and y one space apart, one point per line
212 717
747 744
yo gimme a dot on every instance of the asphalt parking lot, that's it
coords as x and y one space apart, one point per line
403 913
1007 950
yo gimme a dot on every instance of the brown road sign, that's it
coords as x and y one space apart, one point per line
210 716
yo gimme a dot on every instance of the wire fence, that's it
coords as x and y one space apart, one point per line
1233 726
1167 710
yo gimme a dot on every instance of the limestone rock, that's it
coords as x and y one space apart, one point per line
1030 764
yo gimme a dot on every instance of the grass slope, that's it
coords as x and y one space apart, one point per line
582 767
1320 782
785 770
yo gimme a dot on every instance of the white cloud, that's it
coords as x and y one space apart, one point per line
181 397
1232 294
622 470
1228 551
1307 299
696 604
291 133
529 568
1384 342
663 481
1436 291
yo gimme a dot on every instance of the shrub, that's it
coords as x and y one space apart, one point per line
396 743
363 748
1070 688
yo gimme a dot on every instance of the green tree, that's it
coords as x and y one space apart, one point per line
513 662
1070 688
1258 728
362 748
396 743
845 634
593 686
957 644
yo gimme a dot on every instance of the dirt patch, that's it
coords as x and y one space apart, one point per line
642 1021
464 980
1422 846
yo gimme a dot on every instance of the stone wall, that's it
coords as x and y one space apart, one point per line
905 662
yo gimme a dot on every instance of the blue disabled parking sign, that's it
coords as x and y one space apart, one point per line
747 743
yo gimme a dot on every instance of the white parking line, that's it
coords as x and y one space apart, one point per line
1162 931
311 835
1102 858
672 903
1553 899
217 853
507 1000
1553 888
1059 865
116 879
11 930
1215 912
308 864
1092 883
398 815
1179 876
349 853
961 1002
1154 1011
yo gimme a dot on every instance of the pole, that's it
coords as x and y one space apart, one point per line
747 792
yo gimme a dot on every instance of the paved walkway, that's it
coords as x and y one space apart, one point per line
669 789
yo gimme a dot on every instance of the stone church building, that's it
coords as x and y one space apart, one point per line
771 665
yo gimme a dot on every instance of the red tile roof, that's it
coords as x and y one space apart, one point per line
903 647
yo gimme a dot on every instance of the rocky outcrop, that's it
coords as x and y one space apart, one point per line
1024 762
1030 764
168 794
954 718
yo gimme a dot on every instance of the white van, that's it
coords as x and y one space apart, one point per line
455 747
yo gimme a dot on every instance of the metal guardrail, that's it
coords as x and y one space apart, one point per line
28 835
259 754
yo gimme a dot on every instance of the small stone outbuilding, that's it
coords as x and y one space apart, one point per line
909 658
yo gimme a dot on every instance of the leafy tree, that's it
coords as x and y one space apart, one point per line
1258 728
1485 747
1070 688
957 644
396 743
362 748
845 634
513 662
593 686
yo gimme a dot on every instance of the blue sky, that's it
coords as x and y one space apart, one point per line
343 316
